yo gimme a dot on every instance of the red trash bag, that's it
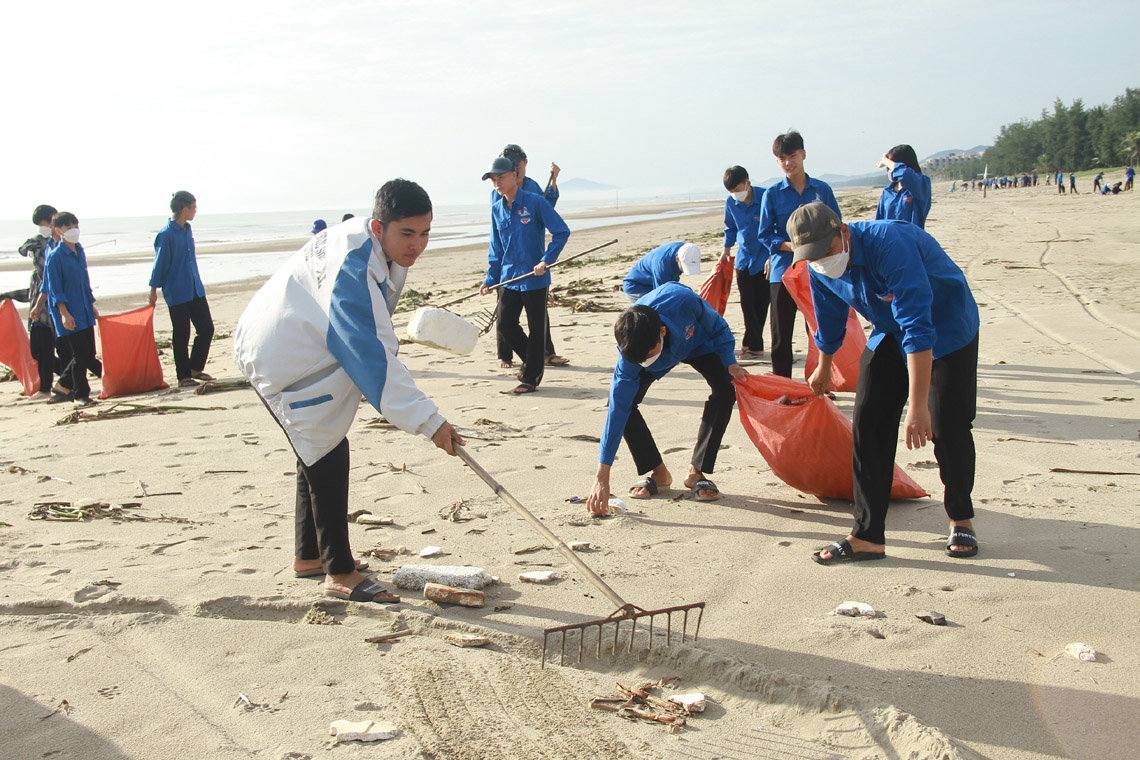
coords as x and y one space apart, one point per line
15 350
808 445
845 365
718 285
130 359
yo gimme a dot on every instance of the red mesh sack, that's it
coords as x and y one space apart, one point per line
718 285
807 445
845 365
15 350
130 359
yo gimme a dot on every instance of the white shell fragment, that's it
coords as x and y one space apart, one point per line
373 520
616 507
580 546
694 702
1082 652
537 576
465 639
442 329
362 731
416 576
431 551
855 609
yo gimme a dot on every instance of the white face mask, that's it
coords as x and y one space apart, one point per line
45 230
649 360
740 195
832 266
72 235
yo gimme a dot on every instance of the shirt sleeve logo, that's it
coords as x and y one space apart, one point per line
689 332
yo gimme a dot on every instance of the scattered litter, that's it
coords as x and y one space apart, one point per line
385 554
217 386
1090 472
932 617
431 551
73 657
1082 652
465 639
785 401
581 546
64 707
476 531
529 549
131 410
438 592
425 532
1012 575
384 638
575 500
370 519
693 702
856 609
456 511
361 731
638 703
65 511
538 576
615 507
416 576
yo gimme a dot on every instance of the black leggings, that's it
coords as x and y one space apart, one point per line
181 316
77 350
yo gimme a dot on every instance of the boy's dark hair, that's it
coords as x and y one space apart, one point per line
733 176
180 201
904 154
398 199
64 219
346 217
43 214
787 143
638 331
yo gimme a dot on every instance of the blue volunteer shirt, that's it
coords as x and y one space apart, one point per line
175 267
66 282
655 268
904 284
780 200
551 193
741 226
692 329
518 236
911 202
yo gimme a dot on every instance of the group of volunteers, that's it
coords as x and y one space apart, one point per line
319 334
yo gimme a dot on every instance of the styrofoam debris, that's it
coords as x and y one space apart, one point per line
465 639
431 551
415 576
374 520
1082 652
361 731
616 507
580 546
694 702
442 329
855 609
537 576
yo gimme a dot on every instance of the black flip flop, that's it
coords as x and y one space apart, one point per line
705 485
649 484
841 551
962 536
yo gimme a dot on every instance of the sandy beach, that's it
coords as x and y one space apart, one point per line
183 633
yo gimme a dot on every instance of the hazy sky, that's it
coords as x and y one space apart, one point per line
293 104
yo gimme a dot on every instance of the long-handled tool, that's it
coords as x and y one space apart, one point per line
485 319
624 611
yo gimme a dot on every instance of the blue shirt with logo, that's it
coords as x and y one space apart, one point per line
911 202
780 200
741 226
175 266
692 329
655 268
518 237
66 282
904 284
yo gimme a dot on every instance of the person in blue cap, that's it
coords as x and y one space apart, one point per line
519 223
319 225
742 212
666 327
922 354
908 196
663 264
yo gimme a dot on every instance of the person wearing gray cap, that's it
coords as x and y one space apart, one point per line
519 222
922 353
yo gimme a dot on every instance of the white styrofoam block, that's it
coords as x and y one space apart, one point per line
443 330
415 576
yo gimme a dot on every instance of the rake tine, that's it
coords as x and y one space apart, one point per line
632 633
650 644
581 642
669 629
685 627
700 616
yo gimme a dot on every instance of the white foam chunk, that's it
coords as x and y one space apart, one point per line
694 702
415 576
537 576
361 731
855 609
443 330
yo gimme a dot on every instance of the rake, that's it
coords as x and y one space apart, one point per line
625 611
485 319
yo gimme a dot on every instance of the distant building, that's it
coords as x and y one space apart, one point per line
948 161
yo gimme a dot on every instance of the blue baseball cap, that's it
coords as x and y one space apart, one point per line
318 225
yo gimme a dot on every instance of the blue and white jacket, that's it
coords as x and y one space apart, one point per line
319 334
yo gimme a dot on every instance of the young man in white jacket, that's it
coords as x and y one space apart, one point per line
318 335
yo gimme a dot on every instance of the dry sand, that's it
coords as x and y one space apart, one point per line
151 630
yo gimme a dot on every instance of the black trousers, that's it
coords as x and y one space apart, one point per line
880 395
42 344
181 317
321 522
755 294
502 346
79 348
783 324
529 346
714 418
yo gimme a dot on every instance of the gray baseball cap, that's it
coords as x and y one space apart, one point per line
499 166
811 228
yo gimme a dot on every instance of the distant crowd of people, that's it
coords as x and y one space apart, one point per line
1051 178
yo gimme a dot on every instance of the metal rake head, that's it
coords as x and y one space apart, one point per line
484 320
629 612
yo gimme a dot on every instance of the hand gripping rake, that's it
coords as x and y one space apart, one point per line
485 319
625 610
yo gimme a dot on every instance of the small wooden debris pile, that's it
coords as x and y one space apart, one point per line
639 703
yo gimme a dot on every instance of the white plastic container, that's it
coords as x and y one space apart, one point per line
443 330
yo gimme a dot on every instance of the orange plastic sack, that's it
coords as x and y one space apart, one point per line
808 445
845 365
15 350
718 285
130 359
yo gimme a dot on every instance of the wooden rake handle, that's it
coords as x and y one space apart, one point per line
543 531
